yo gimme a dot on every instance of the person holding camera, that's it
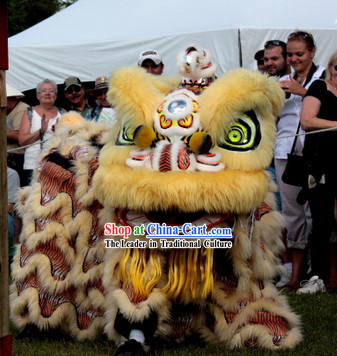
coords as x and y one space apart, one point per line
301 50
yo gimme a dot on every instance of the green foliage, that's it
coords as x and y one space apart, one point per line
23 14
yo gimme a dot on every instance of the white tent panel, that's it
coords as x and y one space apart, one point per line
29 65
88 21
93 37
254 39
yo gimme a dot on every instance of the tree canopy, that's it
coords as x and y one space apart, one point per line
23 14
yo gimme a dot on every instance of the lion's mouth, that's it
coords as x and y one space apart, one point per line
173 218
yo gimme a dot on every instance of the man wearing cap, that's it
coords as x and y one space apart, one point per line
15 110
259 57
75 95
103 112
151 61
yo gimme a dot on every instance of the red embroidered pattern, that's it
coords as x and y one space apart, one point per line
184 159
165 159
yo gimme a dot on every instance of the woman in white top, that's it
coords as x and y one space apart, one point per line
301 50
38 126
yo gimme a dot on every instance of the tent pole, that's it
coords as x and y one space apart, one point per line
240 48
5 337
4 273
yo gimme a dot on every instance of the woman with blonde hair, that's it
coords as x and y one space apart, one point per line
319 111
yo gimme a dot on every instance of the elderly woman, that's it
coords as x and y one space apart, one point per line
37 125
301 50
319 111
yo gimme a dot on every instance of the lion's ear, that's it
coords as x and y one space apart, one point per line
276 96
239 91
135 95
239 111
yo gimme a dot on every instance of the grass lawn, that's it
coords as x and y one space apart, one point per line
319 321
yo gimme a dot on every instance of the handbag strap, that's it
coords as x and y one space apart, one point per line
308 79
295 139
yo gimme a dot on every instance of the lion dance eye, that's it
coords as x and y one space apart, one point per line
186 121
243 135
164 122
125 135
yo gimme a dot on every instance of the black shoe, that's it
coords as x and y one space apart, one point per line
131 348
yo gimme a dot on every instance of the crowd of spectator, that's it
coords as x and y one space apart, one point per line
311 104
29 127
310 210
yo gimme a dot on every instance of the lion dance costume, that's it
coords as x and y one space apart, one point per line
194 154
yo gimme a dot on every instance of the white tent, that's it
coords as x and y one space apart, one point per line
93 37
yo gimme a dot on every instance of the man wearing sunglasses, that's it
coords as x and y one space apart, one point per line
75 96
103 112
275 58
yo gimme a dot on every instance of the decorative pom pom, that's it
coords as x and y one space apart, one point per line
144 136
200 142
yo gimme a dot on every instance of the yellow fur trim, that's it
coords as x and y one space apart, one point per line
145 190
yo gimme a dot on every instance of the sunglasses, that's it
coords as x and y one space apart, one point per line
260 62
334 67
301 34
73 88
274 43
101 92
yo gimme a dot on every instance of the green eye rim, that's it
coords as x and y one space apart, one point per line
243 135
125 135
